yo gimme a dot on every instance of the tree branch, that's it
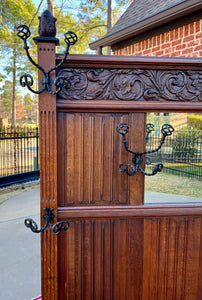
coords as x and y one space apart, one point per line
93 27
36 13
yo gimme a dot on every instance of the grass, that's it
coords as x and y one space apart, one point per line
171 184
167 164
188 170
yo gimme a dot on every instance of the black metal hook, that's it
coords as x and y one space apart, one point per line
27 80
137 159
48 217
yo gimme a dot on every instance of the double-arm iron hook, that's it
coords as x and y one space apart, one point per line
60 81
48 217
137 159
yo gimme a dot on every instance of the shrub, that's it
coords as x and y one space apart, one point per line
195 121
184 143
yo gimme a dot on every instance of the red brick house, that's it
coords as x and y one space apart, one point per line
157 28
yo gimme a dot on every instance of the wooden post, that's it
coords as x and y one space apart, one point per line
48 168
137 143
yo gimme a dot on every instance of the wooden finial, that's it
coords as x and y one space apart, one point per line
47 26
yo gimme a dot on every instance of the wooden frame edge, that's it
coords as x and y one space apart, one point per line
129 211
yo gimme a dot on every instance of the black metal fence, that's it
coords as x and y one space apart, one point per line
181 153
19 154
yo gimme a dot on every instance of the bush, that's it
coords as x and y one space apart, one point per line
184 143
195 121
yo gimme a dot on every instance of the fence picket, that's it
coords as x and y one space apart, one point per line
19 153
181 154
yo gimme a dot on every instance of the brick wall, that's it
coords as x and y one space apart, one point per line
185 41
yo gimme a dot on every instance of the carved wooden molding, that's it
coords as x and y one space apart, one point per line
132 84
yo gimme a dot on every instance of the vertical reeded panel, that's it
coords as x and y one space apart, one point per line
89 153
171 258
99 256
48 154
48 191
48 171
98 161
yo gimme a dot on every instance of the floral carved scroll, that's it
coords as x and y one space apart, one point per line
131 85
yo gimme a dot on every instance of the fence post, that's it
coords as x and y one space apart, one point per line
48 159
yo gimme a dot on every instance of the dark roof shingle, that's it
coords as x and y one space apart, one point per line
141 9
144 15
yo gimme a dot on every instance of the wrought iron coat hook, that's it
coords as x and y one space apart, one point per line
137 159
60 81
48 217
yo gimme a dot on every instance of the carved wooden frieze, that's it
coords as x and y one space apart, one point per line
131 84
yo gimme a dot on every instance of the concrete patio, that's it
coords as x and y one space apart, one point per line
20 248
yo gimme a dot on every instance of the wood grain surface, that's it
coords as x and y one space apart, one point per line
116 248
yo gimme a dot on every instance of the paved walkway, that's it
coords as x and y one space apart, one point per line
162 198
20 248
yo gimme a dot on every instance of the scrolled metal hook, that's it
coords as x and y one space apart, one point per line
157 168
128 168
137 159
48 217
59 226
29 223
27 80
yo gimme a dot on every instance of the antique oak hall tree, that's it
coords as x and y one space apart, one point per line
98 238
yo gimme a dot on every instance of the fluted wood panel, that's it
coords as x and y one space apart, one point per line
172 256
48 174
103 260
89 153
48 153
48 182
135 258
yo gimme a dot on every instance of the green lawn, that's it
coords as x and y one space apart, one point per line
187 170
172 184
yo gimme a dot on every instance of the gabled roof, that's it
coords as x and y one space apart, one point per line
140 10
144 15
